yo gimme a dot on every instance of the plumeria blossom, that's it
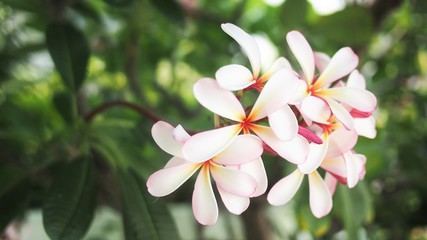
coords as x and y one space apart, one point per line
281 136
285 189
364 122
313 120
316 99
237 77
236 171
348 169
336 140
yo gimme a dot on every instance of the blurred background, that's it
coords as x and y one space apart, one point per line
81 82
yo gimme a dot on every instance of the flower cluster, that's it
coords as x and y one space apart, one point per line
312 119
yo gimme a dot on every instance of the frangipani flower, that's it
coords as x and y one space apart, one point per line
364 122
237 77
272 103
317 101
234 185
336 140
347 168
285 189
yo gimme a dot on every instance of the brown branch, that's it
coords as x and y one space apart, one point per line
89 117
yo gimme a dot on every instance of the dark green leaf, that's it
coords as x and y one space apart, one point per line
70 203
119 3
14 192
13 203
171 9
34 6
351 26
69 51
293 13
10 177
65 105
143 216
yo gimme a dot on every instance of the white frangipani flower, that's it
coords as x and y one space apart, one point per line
237 77
285 189
316 99
234 185
271 103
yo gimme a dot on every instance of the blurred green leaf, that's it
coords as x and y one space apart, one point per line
352 26
13 202
317 226
13 193
293 13
10 177
64 104
170 9
34 6
119 3
70 203
354 206
69 51
144 217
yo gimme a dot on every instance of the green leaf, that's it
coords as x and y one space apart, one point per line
351 26
170 9
70 203
70 53
293 13
34 6
143 216
10 177
119 3
14 193
354 206
64 104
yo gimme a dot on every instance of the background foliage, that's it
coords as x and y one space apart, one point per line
81 82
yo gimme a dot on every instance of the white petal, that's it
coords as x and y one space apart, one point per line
320 197
233 181
365 127
175 161
356 80
180 134
167 180
275 94
299 94
340 113
331 182
361 164
205 145
234 204
315 156
218 100
163 135
205 208
359 99
280 63
352 169
248 45
342 63
335 166
243 149
341 141
234 77
257 171
284 123
321 60
284 190
316 109
303 53
295 150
